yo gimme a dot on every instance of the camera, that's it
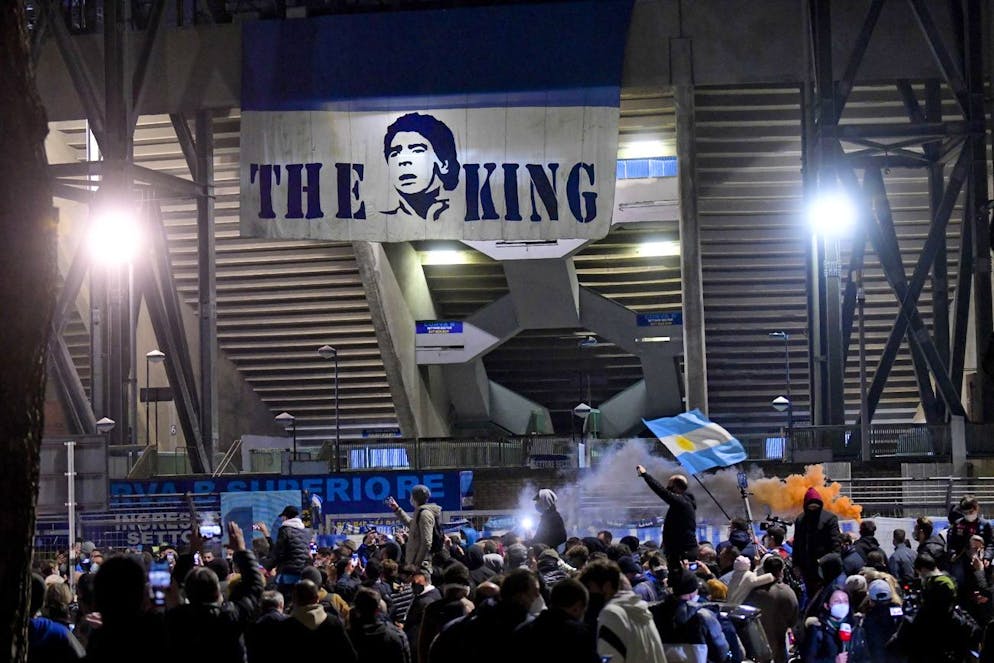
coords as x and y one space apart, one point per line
772 521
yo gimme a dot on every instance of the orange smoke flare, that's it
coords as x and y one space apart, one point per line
786 496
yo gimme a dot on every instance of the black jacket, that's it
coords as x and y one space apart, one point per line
478 571
864 545
815 534
215 631
262 639
879 625
329 639
416 615
380 642
551 529
680 523
484 636
554 636
934 546
291 552
117 642
683 622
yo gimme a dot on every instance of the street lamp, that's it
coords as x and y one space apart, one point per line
786 403
105 425
288 422
153 357
328 352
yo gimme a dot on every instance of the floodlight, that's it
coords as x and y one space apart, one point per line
832 213
327 352
582 410
155 356
114 235
446 257
643 149
658 249
105 425
780 403
527 523
284 419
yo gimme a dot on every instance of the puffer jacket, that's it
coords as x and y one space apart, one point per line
291 553
686 622
626 632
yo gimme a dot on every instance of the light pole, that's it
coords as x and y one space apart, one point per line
288 422
328 352
789 402
864 408
153 357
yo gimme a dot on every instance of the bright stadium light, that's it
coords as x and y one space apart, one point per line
832 213
114 236
527 523
446 257
658 249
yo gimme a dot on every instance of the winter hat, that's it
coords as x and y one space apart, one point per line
312 574
683 582
456 574
812 496
629 566
290 512
546 499
741 563
549 552
87 548
880 591
350 544
516 556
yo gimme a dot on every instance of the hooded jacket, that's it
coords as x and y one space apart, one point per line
778 612
554 636
310 629
484 636
478 571
291 553
421 528
626 632
816 533
680 522
551 529
686 622
380 642
935 546
744 580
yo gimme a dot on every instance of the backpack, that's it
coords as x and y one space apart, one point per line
437 535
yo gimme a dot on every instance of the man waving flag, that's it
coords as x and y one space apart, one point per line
697 442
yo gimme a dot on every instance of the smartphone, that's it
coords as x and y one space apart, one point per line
158 581
692 566
355 558
896 611
210 531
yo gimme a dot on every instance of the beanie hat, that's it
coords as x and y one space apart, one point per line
456 574
87 548
812 496
683 582
880 591
857 583
741 563
631 541
312 574
629 566
290 511
516 556
550 552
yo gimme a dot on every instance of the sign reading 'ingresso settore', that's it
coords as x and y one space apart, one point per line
493 123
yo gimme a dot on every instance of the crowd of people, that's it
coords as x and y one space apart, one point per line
421 596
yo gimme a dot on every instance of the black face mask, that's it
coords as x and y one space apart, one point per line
417 589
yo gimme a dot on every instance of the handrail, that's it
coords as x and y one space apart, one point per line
229 455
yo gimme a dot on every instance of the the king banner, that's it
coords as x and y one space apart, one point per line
487 123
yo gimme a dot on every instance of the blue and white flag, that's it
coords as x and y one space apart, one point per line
485 123
697 442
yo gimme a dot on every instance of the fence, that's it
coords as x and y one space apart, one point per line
910 496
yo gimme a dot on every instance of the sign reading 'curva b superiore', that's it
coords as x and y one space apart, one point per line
495 123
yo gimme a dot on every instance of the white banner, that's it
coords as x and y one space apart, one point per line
519 173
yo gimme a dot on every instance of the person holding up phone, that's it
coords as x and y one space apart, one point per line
423 524
291 553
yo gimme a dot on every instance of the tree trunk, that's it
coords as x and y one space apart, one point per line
27 287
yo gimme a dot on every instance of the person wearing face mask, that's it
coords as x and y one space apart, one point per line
551 528
425 594
816 534
965 522
826 639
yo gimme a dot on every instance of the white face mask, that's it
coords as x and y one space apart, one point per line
839 610
970 517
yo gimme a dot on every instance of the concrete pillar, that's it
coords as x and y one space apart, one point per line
390 308
692 284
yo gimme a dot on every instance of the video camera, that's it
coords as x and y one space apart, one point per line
771 521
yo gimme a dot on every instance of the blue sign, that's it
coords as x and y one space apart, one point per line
438 327
342 494
659 319
381 432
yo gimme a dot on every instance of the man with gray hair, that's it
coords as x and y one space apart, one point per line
418 550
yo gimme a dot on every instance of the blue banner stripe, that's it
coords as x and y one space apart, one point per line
558 49
722 455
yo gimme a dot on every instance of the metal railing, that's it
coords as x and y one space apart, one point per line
908 496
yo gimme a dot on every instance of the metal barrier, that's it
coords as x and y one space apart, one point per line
447 453
910 496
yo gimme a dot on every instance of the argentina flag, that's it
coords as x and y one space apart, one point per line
697 442
478 124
